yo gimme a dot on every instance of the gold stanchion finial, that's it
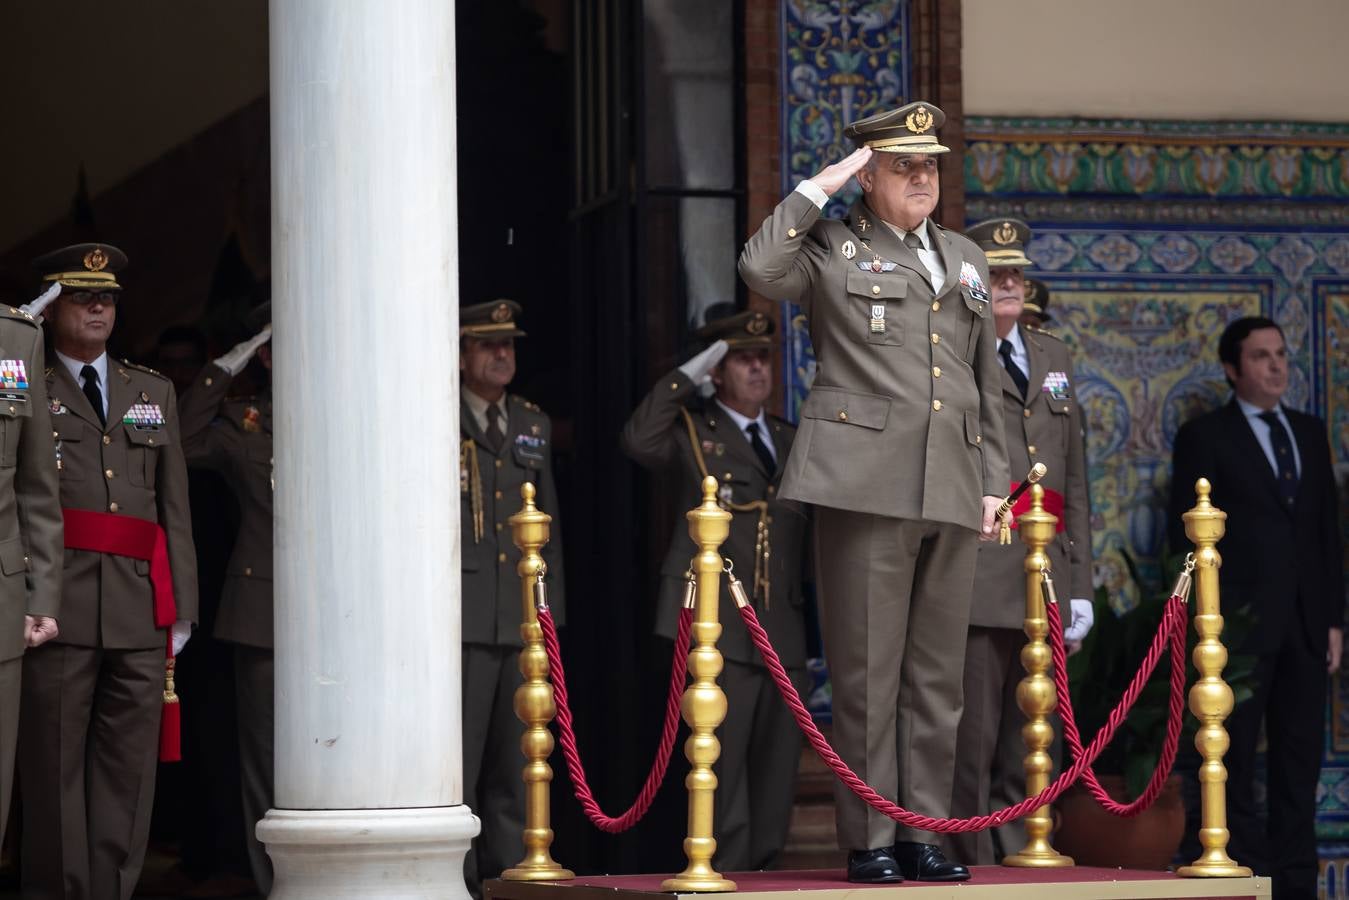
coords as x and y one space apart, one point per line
1211 698
534 698
704 703
1035 693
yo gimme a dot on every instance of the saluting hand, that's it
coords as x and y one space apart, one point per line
699 368
239 355
37 630
832 179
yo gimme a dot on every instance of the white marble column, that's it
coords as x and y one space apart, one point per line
369 789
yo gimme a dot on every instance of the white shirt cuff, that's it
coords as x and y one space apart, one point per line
813 192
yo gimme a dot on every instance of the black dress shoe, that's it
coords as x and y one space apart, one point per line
873 867
924 862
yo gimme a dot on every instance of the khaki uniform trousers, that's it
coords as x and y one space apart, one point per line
894 614
493 763
756 772
253 692
90 744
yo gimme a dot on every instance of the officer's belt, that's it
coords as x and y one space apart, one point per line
1053 503
128 536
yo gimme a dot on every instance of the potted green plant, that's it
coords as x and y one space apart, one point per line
1098 675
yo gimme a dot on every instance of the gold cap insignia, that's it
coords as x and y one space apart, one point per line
501 314
95 260
919 121
757 325
1004 233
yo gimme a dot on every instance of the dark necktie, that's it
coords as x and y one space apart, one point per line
1283 457
90 376
1018 376
913 242
760 448
495 436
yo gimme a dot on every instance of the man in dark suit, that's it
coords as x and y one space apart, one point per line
733 438
1271 473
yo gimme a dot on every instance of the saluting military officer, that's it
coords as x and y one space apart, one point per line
1036 311
92 697
1043 424
504 441
30 555
234 437
734 439
901 450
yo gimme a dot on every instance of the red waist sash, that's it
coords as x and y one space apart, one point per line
127 536
1053 504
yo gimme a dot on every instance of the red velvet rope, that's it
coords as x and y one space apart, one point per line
1174 621
927 823
581 787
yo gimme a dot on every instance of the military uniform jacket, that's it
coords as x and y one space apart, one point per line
657 438
1046 427
127 470
30 511
491 602
234 437
904 420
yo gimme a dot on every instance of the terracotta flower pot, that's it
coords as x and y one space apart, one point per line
1093 837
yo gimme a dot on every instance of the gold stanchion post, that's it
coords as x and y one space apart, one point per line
534 699
1035 693
704 704
1211 698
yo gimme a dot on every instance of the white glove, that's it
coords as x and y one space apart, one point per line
36 307
1082 617
239 355
181 631
699 368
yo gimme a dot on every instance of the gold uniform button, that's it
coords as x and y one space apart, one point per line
56 434
875 289
1026 413
843 415
112 507
27 562
771 489
936 305
107 438
791 232
150 441
500 463
501 557
978 438
1031 449
12 410
674 385
936 338
936 405
248 570
107 473
498 526
497 495
209 380
936 371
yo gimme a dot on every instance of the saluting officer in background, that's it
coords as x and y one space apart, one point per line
732 438
901 449
1043 423
92 697
234 437
504 441
30 554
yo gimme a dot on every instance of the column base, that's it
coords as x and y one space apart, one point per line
393 854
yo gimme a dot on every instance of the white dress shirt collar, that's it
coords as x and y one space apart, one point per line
478 407
742 422
75 366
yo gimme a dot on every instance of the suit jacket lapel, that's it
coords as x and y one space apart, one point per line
1039 365
468 426
883 241
1244 442
781 445
736 444
950 258
120 395
72 398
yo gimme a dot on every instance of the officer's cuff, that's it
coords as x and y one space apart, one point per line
814 192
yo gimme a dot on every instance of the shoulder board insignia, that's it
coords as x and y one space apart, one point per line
140 368
1051 334
51 370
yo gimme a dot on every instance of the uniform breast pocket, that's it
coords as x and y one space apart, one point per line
873 302
142 460
14 417
1061 417
68 435
976 302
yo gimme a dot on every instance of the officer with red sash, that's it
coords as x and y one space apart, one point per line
1042 420
92 698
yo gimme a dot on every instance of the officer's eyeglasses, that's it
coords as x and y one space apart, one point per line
86 298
